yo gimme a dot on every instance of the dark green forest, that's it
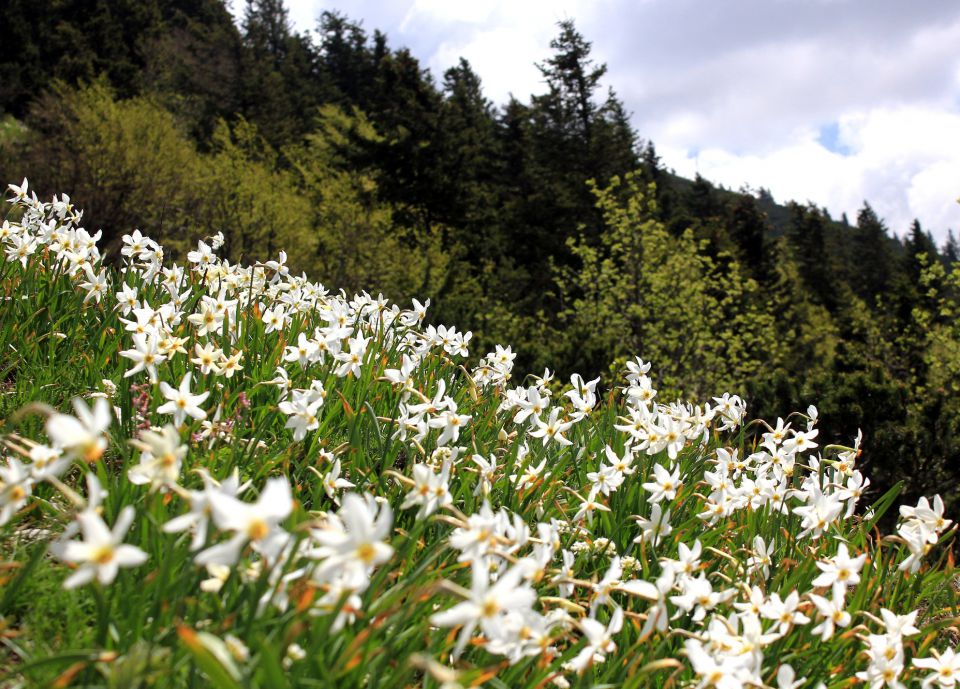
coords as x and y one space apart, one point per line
548 223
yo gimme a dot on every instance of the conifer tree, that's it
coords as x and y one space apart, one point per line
748 229
568 137
951 249
470 165
807 236
918 243
873 260
348 60
281 87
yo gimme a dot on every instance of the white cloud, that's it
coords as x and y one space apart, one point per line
504 71
502 39
904 161
443 11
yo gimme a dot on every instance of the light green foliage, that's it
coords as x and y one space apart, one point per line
358 245
939 318
247 196
11 129
126 161
641 289
130 165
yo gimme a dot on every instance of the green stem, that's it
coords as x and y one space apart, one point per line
103 614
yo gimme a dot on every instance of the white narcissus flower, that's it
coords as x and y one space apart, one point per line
16 485
833 615
430 491
304 352
802 441
927 519
134 244
531 407
96 285
161 458
699 597
599 641
664 485
819 512
301 410
352 542
198 518
840 571
101 552
274 319
20 248
145 355
784 612
81 437
530 475
228 365
488 474
182 402
202 256
883 671
760 559
622 465
47 462
257 524
332 483
945 666
611 582
207 357
899 626
655 528
606 480
553 429
480 533
19 192
352 361
917 545
486 604
207 320
787 678
725 672
588 506
451 422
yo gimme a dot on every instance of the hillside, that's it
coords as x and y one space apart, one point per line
379 176
224 474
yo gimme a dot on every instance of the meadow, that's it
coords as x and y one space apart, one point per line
226 475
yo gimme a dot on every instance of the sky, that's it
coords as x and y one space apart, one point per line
833 102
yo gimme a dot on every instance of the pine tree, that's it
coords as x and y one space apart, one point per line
918 243
951 249
572 80
873 261
807 236
405 110
568 137
348 60
44 40
748 229
194 65
470 165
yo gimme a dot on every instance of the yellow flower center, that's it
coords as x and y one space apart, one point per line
490 608
366 552
103 555
258 529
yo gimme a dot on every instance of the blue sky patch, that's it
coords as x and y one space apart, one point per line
830 139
